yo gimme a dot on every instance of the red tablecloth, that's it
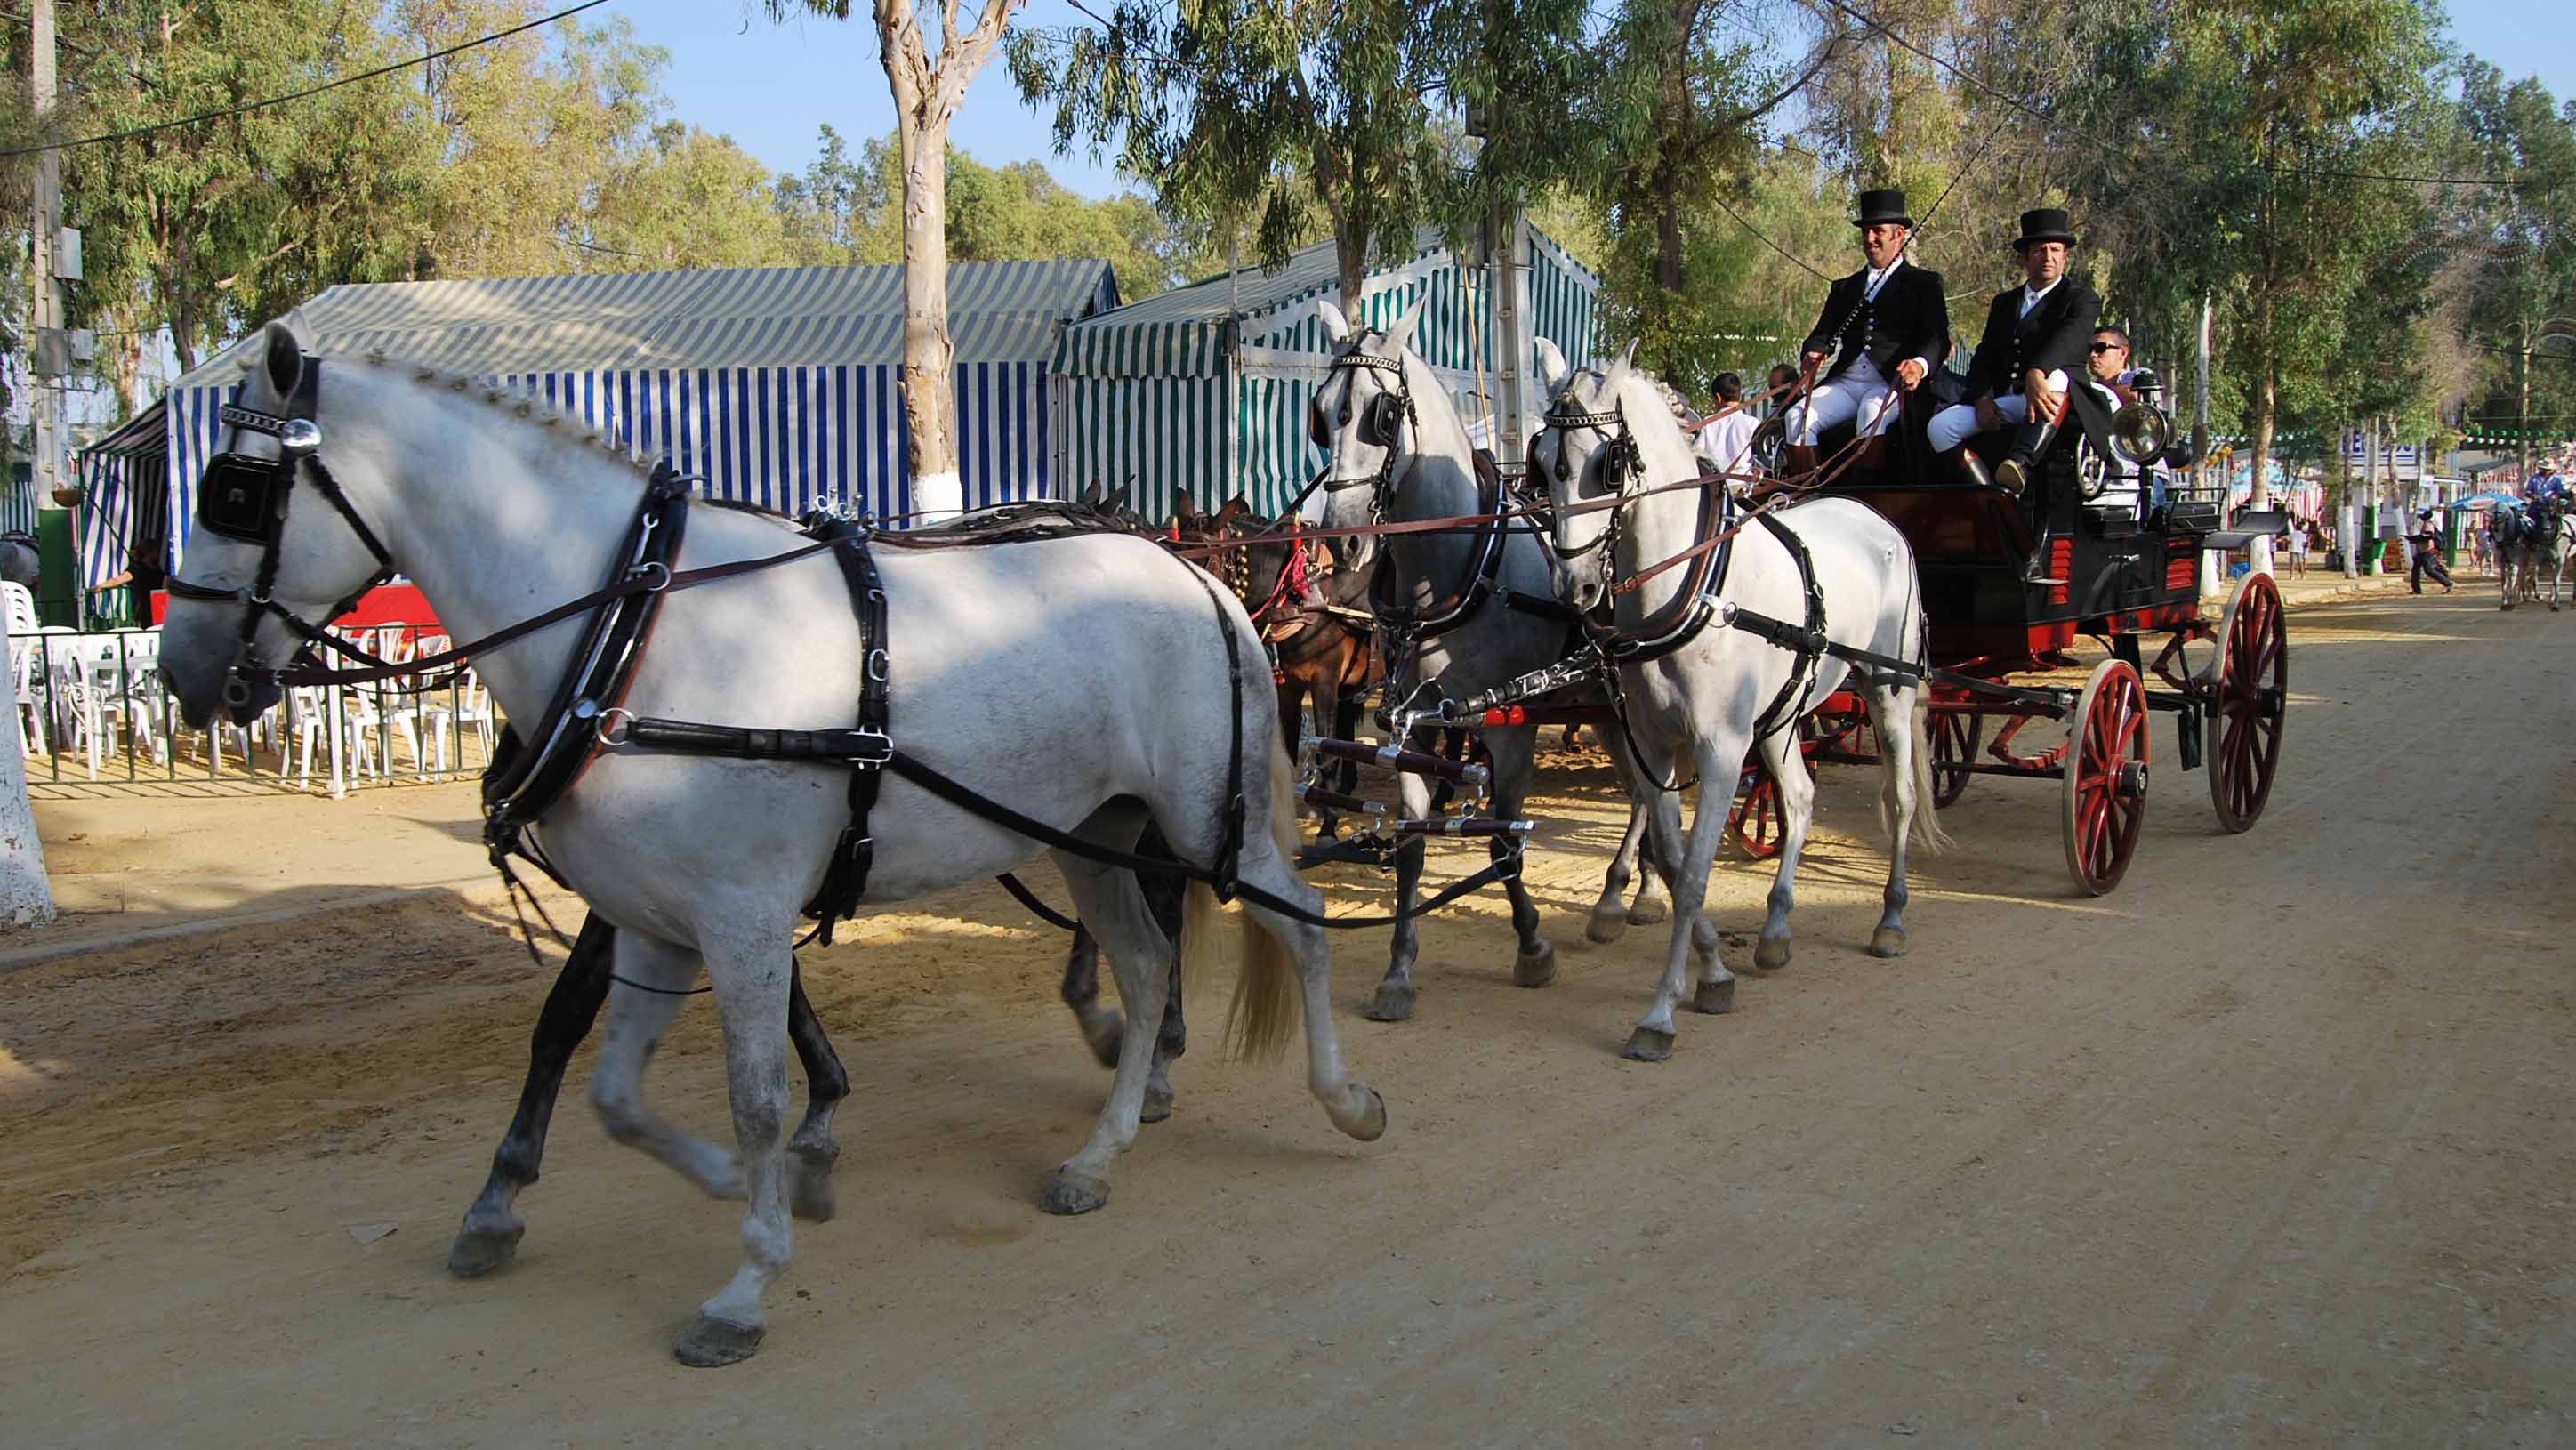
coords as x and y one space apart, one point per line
386 604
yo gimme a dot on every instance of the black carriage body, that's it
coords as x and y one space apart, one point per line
2011 578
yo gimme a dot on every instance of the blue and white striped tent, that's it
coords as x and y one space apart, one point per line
1205 388
777 385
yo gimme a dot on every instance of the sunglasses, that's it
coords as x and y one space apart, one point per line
2108 347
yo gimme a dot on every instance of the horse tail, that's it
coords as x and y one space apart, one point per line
1927 816
1266 1011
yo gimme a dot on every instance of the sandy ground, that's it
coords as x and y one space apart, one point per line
2271 1146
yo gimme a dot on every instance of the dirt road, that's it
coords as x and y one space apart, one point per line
2271 1146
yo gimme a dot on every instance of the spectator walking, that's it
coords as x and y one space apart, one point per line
2427 539
2300 529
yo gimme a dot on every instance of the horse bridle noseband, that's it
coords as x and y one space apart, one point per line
1378 425
1621 463
245 499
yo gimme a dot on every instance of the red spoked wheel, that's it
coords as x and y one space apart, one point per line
2105 782
2249 693
1754 824
1955 738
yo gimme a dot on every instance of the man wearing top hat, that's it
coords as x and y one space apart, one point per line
2036 335
1886 328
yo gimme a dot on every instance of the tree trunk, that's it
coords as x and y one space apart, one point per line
929 357
2266 405
26 897
1350 252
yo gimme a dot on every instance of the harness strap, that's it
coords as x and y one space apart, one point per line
1790 703
864 749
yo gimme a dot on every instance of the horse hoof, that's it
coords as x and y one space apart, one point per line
1714 998
1536 967
1073 1194
711 1343
1648 1044
478 1251
809 1183
1606 926
1393 1003
1649 910
1369 1123
1887 941
1771 953
1158 1104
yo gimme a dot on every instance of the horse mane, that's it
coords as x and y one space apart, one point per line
509 403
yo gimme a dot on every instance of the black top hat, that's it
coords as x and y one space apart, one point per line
1882 206
2048 224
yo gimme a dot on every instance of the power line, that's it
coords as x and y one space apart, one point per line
2035 113
250 106
1764 240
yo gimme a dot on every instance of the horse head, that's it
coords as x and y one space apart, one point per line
1363 413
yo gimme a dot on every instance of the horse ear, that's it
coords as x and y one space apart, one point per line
1619 370
1225 515
1399 337
1554 372
282 358
1116 499
1336 325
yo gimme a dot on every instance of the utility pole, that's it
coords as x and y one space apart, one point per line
52 352
26 897
2200 399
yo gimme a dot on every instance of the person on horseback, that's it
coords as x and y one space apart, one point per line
1886 327
2035 338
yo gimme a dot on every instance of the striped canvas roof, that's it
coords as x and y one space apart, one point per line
742 317
1176 333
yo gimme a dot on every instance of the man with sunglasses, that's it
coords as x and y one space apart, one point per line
1886 327
2035 337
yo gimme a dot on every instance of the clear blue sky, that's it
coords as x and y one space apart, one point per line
769 86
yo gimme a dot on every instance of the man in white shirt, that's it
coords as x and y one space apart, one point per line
1724 442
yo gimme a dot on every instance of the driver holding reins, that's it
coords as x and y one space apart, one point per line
1886 328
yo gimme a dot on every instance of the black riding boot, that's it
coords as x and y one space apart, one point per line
2014 473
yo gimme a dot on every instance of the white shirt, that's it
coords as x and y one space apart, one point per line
2030 299
1725 442
1869 286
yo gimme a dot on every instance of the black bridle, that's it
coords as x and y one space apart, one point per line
246 498
1621 462
1379 422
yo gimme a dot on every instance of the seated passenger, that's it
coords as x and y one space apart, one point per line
2035 335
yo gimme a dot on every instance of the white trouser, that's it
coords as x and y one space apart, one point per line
1859 393
1955 425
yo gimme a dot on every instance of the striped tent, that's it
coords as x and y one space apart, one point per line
1205 389
776 385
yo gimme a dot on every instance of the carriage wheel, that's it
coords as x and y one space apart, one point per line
2106 776
2251 687
1754 824
1955 738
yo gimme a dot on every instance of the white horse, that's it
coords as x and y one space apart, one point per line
1696 708
1416 463
2550 546
1086 681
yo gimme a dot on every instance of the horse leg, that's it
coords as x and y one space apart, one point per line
1322 688
1652 905
753 974
1718 765
641 1007
1787 763
1101 1027
1514 752
1609 920
1353 1106
1140 958
1165 898
492 1229
1394 999
1904 753
813 1151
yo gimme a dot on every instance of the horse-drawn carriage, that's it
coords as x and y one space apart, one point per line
2095 546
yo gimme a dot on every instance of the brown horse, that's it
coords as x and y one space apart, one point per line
1316 622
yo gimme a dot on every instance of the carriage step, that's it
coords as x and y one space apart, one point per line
1461 826
1316 795
1411 762
1503 715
